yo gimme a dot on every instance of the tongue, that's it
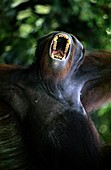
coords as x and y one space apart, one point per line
58 53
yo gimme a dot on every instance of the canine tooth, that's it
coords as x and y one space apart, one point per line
55 38
52 55
66 48
67 45
68 41
55 45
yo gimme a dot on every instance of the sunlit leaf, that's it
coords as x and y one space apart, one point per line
42 9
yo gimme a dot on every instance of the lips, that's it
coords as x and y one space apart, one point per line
60 46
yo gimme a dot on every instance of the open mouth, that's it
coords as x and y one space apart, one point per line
60 46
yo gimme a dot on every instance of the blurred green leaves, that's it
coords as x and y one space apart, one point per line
102 119
22 22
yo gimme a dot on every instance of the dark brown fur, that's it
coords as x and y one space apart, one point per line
43 124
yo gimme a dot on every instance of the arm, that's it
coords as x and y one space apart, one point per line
97 88
12 148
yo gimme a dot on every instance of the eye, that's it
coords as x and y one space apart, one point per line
60 46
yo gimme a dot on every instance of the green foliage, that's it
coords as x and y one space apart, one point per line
102 119
22 22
